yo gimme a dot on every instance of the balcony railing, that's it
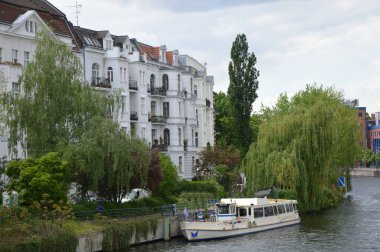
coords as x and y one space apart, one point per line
161 147
160 91
133 85
100 82
208 103
158 119
134 116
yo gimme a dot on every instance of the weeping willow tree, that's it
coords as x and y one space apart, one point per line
304 144
54 105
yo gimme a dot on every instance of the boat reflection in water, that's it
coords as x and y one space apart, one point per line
235 217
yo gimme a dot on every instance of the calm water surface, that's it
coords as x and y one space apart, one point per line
353 226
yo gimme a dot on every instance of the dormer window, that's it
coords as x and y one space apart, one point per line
31 26
108 44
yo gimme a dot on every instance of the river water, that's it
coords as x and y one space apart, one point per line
352 226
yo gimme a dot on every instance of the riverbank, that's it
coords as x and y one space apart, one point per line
365 172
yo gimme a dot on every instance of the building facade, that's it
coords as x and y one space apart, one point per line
167 98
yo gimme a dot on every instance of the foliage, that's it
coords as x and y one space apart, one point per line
37 236
170 178
107 160
154 171
195 200
210 186
3 88
54 106
305 143
32 178
255 121
242 91
223 119
118 235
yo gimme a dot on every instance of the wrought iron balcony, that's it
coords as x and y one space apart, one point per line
100 82
161 147
133 85
160 91
158 119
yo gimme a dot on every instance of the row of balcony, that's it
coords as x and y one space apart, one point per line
106 83
164 147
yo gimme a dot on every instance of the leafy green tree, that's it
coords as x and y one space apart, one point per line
154 171
170 178
223 119
3 89
242 91
368 157
33 178
55 107
107 160
304 144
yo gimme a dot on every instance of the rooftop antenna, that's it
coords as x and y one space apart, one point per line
77 6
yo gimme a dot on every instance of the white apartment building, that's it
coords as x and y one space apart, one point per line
167 97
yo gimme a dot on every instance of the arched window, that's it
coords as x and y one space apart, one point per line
179 82
152 80
193 164
121 75
110 74
191 85
165 81
180 164
125 74
179 136
166 137
95 74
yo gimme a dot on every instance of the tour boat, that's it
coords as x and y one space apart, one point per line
236 217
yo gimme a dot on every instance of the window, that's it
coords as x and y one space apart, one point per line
14 56
26 58
191 85
154 135
152 81
179 109
143 133
95 74
192 137
179 136
165 81
15 89
223 209
124 103
133 129
125 74
360 114
195 90
179 82
143 106
258 212
121 75
180 164
110 74
31 26
153 108
1 54
242 212
196 139
281 209
295 207
196 115
108 44
166 109
193 163
166 137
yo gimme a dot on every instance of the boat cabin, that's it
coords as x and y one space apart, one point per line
253 209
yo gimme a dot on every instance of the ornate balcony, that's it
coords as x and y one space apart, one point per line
134 116
160 91
158 119
133 85
161 147
100 82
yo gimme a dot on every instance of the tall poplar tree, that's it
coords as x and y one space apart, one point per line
54 106
242 90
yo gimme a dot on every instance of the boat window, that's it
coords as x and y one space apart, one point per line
295 207
249 212
258 212
281 209
242 212
268 211
291 207
223 209
232 209
275 210
287 208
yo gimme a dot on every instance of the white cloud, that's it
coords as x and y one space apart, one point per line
295 42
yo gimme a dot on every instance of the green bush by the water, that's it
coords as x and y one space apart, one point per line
210 186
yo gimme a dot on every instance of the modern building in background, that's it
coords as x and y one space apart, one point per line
167 98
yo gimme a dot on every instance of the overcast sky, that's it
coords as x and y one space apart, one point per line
330 42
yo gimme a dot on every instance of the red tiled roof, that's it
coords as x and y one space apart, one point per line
152 52
169 57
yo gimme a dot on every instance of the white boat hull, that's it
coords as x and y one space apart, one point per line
219 230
